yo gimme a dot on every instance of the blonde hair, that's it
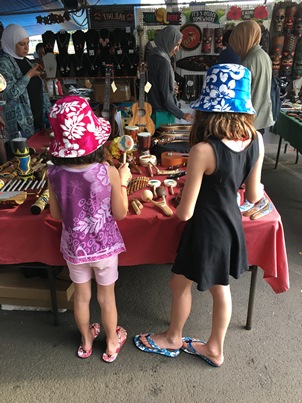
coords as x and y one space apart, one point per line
233 126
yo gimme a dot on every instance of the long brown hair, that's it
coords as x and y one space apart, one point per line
233 126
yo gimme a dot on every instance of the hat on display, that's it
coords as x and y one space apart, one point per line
226 88
77 131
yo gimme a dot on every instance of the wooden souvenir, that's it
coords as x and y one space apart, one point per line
147 196
171 159
207 40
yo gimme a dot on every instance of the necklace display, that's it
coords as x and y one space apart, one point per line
78 39
49 39
92 42
63 64
78 64
93 64
63 41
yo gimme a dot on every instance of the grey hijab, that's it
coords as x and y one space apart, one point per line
12 34
163 44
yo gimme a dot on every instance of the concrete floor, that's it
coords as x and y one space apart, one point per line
38 361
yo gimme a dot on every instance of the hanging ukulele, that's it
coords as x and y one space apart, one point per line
142 110
108 110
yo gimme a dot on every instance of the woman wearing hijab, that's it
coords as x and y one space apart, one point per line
161 77
245 40
27 103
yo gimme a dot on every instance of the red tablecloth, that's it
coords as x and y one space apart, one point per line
150 238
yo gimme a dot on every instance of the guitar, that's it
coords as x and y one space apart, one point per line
142 110
108 110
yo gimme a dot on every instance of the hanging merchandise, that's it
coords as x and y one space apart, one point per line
218 33
191 38
104 46
92 42
78 39
207 40
64 64
92 65
191 87
49 39
63 39
78 63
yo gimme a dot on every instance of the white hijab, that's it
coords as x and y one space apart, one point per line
12 34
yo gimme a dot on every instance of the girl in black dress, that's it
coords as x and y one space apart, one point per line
226 151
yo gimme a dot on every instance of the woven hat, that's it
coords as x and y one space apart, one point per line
226 88
77 131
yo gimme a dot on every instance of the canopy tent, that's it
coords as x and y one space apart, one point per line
25 13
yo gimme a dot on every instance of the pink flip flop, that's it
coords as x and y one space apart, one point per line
122 337
87 353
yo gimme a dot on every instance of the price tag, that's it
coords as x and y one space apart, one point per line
113 86
147 87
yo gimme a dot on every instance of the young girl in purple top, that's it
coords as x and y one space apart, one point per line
89 196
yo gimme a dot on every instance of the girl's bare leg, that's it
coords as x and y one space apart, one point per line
222 312
106 300
82 296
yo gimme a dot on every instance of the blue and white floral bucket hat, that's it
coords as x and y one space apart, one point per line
226 88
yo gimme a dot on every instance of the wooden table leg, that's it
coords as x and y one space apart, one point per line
254 270
278 152
53 294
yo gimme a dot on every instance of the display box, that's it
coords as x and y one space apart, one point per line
16 289
122 94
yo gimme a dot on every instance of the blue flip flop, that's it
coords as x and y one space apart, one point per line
155 349
191 350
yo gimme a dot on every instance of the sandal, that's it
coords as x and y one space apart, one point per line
87 353
122 337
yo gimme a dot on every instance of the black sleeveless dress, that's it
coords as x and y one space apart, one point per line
212 245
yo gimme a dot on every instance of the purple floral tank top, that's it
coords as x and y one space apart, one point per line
89 231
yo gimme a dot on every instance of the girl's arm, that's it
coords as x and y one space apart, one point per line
55 209
119 180
253 187
201 160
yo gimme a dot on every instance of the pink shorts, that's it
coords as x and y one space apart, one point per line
105 271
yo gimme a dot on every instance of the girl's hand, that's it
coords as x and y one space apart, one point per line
125 174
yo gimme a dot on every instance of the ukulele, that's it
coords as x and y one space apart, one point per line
172 159
108 110
142 110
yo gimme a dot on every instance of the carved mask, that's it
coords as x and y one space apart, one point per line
276 53
298 22
297 66
207 40
218 33
290 12
278 19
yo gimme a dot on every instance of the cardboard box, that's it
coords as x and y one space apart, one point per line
123 92
15 289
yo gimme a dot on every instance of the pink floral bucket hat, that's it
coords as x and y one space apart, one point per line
77 131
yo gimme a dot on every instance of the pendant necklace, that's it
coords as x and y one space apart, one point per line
63 44
93 65
79 61
64 63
